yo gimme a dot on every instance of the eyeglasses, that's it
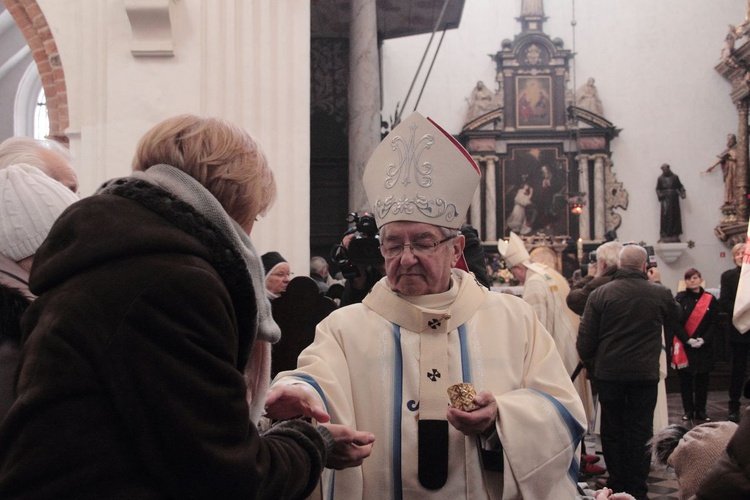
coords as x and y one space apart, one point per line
282 274
390 251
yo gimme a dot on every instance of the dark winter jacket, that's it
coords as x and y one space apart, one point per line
619 338
729 281
578 295
131 382
700 360
15 298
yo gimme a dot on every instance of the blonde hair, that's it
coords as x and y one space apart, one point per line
223 157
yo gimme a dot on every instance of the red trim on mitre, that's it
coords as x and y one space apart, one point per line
458 145
462 264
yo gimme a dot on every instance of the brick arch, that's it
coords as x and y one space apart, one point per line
31 21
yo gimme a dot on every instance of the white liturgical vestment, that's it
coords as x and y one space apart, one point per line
365 366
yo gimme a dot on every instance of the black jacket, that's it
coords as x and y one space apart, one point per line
579 295
700 360
619 338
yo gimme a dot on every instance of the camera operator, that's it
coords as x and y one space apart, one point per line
605 264
358 257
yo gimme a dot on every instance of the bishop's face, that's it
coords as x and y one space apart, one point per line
426 270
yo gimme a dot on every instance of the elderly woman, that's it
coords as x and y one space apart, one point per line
151 316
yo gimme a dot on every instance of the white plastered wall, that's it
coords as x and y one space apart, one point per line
653 62
243 60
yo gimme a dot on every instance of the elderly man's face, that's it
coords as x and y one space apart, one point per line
423 272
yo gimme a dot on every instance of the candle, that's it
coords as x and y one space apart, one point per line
580 250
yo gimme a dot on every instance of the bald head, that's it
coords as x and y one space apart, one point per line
50 157
633 257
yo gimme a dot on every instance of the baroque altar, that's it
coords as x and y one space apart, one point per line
544 150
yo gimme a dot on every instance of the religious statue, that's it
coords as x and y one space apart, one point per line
729 40
728 161
482 101
669 190
587 98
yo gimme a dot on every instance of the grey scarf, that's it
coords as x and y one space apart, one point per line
190 191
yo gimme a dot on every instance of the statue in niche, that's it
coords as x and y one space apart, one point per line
669 190
482 101
587 98
728 161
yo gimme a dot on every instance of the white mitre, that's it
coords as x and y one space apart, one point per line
420 173
513 251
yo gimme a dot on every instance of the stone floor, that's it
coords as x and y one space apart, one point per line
662 484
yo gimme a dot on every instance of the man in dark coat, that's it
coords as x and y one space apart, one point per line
740 344
669 190
619 341
607 255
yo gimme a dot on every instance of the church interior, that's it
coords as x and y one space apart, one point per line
571 108
574 105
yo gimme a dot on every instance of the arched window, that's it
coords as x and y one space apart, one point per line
30 109
41 117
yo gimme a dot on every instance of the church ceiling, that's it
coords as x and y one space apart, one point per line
396 18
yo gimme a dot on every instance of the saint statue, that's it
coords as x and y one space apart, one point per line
482 100
728 161
669 190
587 98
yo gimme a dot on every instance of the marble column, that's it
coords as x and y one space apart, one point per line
742 161
599 205
364 96
490 199
584 219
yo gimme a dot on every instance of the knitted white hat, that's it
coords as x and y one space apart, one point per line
30 202
420 173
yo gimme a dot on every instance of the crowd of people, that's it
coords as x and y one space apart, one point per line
148 350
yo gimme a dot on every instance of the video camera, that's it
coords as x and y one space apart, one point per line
363 248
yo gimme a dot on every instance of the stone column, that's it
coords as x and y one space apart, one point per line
584 219
476 211
490 199
742 161
599 205
364 96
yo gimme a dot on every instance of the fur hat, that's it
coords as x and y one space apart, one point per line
30 202
420 173
271 260
513 251
691 453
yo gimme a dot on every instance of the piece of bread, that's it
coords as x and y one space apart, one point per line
462 396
